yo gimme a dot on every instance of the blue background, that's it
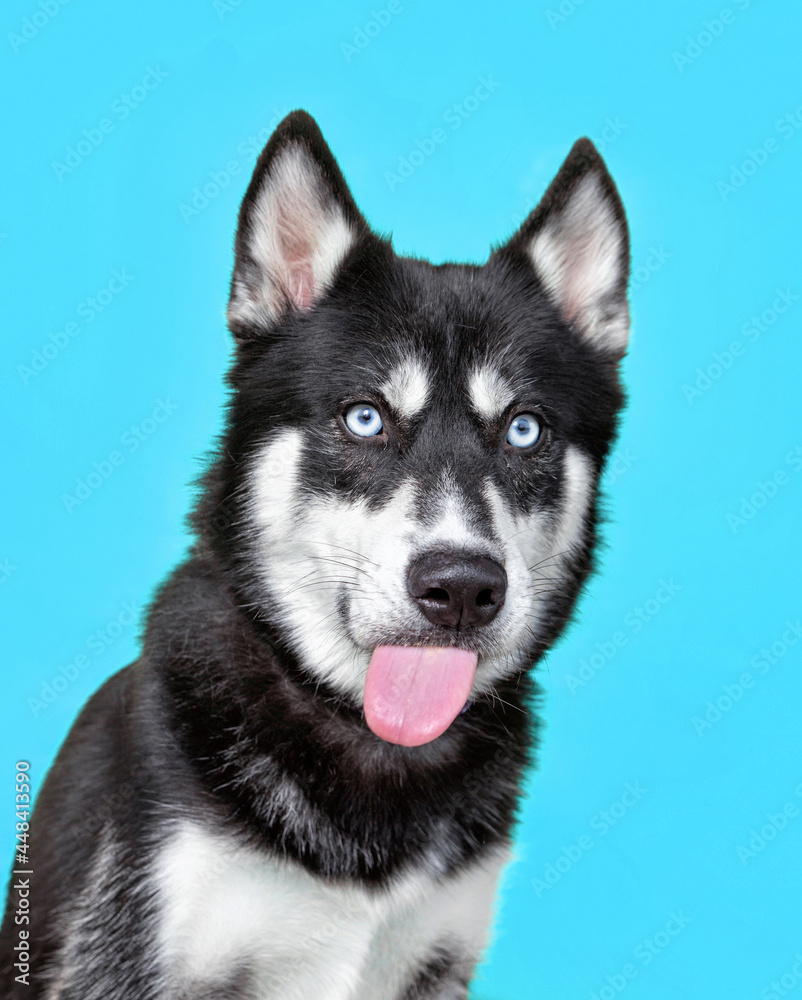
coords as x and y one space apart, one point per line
683 113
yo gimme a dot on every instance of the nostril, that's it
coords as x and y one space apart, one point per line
436 594
484 598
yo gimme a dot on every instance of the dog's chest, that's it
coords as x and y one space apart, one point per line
231 915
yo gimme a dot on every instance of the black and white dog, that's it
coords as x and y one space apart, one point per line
305 787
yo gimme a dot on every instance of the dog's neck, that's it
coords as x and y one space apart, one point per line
299 769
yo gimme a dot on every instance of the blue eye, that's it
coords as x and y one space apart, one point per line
524 431
363 420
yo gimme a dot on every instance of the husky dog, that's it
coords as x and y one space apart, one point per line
306 786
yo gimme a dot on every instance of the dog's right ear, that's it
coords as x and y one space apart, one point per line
297 223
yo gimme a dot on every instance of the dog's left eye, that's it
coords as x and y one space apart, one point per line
524 431
363 420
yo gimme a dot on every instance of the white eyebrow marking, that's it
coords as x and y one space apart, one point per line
407 388
489 391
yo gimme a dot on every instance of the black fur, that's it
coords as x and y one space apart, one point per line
218 708
442 971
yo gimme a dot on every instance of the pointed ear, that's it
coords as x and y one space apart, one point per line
297 223
578 243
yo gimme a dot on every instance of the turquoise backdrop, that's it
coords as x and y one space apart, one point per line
659 846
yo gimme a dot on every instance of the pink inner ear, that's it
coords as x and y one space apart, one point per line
297 250
576 268
303 286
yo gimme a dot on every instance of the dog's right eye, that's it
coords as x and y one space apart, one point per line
363 420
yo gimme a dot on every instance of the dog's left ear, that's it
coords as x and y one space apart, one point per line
577 241
297 223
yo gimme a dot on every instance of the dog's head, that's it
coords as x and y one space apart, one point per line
413 451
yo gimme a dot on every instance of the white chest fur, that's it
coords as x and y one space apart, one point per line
225 908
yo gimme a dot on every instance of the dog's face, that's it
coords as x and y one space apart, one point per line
414 450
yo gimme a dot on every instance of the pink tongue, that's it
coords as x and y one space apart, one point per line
414 693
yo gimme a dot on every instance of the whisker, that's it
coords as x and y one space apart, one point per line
311 584
542 562
352 552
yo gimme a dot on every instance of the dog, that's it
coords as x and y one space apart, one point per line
306 786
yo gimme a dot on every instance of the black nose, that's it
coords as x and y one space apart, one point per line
457 591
